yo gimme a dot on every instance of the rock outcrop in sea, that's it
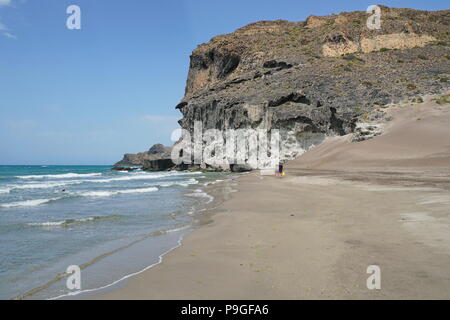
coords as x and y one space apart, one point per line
155 153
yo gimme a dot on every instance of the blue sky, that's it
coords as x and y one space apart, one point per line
88 96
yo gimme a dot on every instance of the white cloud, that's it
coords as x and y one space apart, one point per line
4 29
5 3
9 35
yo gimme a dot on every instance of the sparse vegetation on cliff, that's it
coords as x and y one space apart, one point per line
444 99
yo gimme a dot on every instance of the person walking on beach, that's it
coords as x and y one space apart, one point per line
280 170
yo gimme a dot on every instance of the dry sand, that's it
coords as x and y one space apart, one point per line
312 234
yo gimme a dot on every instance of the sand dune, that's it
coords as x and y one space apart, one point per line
417 137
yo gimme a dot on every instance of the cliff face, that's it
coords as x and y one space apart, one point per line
156 152
316 77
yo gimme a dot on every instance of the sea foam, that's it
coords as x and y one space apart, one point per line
60 176
27 203
108 193
68 222
45 185
179 183
198 193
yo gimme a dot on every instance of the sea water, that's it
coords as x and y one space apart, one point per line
110 223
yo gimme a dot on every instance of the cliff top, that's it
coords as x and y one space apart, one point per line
231 55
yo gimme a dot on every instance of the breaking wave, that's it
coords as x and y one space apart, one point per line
27 203
5 190
69 222
108 193
198 193
60 176
179 183
45 185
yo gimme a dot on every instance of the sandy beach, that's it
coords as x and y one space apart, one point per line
312 234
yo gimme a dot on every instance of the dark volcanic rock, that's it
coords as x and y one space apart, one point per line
158 165
158 149
240 168
119 168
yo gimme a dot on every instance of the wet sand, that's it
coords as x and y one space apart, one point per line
312 234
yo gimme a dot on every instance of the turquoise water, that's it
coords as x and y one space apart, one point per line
55 216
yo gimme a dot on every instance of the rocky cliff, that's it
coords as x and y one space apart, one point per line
318 77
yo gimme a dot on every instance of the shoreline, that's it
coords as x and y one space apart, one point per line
85 293
31 294
314 233
108 263
200 216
